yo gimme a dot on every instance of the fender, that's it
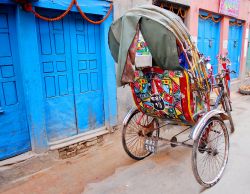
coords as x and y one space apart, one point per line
201 123
131 111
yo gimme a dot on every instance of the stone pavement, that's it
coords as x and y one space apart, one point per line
49 175
170 171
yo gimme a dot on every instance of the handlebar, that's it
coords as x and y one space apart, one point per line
204 59
223 74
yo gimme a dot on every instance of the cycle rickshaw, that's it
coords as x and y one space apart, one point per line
173 87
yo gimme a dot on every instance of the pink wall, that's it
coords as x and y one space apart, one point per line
213 6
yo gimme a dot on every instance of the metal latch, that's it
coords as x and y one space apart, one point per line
1 111
235 44
210 43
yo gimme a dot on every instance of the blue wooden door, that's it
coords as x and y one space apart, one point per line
234 48
14 133
87 73
248 55
55 57
71 72
208 40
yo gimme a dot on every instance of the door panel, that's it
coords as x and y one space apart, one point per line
72 74
86 62
234 48
208 40
248 55
14 133
57 77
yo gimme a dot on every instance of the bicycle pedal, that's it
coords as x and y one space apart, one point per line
151 144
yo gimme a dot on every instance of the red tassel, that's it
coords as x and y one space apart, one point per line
224 65
27 7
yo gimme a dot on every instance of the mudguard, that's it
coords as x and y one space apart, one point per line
201 123
131 111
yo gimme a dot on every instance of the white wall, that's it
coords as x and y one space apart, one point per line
121 6
124 96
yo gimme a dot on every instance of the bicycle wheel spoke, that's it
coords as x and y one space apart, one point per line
210 153
131 140
134 134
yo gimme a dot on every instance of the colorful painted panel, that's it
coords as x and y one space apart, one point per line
163 94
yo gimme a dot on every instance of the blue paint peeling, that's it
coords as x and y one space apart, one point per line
109 84
62 80
14 131
208 40
30 72
234 48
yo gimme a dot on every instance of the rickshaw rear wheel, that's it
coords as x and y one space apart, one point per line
134 136
210 152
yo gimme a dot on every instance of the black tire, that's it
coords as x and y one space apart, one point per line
209 160
228 108
136 136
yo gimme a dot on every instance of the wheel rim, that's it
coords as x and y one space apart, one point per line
211 153
134 137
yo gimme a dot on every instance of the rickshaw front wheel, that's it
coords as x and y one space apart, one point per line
228 108
135 132
210 152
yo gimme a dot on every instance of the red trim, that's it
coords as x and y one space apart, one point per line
153 69
138 122
184 99
135 97
192 104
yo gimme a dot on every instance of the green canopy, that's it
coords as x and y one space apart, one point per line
160 28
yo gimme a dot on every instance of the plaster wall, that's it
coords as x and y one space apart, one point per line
121 6
213 6
124 96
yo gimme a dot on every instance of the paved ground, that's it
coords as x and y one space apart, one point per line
70 176
108 170
170 170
